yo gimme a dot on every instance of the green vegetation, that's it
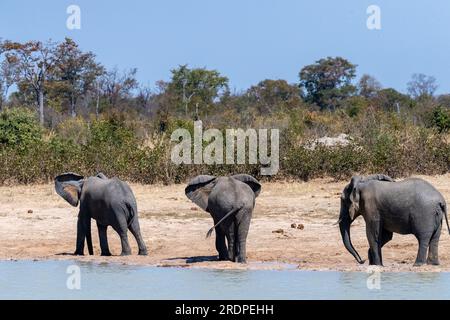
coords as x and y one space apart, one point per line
80 117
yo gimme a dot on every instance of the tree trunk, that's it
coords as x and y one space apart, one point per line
97 105
72 105
41 106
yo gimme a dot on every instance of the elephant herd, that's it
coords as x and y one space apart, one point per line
412 206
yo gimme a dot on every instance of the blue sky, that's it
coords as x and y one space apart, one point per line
247 40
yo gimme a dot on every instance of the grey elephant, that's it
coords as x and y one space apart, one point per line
110 202
230 201
412 206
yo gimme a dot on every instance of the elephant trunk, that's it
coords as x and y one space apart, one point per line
344 226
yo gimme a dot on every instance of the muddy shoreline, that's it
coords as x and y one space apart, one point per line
36 224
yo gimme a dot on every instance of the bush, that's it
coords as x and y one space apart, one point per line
19 127
441 119
121 146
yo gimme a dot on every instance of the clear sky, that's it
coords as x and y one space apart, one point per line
247 40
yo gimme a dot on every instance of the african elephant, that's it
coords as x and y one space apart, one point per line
109 201
230 201
412 206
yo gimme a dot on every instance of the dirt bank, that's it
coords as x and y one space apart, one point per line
35 223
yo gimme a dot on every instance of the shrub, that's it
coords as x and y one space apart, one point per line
19 127
135 151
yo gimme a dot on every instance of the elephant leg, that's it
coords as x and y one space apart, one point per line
221 246
231 235
81 235
126 250
386 236
103 236
83 232
373 232
242 231
424 242
136 231
433 257
369 254
122 231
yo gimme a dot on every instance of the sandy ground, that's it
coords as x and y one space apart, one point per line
35 223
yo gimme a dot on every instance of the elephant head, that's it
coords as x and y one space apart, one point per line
69 186
199 188
350 208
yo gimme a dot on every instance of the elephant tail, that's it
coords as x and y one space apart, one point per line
221 220
444 210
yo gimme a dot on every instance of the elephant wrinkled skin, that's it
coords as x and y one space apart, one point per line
110 202
412 206
230 201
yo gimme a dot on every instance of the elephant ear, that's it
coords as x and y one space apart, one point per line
354 197
250 181
379 177
101 175
198 190
68 186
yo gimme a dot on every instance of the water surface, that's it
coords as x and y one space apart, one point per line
48 280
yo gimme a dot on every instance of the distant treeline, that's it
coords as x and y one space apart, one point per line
69 113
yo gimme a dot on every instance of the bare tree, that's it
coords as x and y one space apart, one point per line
8 76
34 61
77 70
422 86
144 97
119 85
368 86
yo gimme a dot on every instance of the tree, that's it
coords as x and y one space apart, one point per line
197 87
117 86
35 62
270 95
368 86
392 101
441 119
144 97
8 76
327 82
422 86
77 70
444 100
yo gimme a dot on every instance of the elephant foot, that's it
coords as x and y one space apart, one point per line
433 262
418 264
143 252
78 253
106 254
241 260
125 253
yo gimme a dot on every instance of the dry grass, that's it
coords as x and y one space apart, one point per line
36 223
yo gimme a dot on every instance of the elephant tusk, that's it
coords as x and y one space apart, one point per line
337 222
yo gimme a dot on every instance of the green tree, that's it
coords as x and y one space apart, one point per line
441 119
19 128
392 101
270 95
197 88
328 81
